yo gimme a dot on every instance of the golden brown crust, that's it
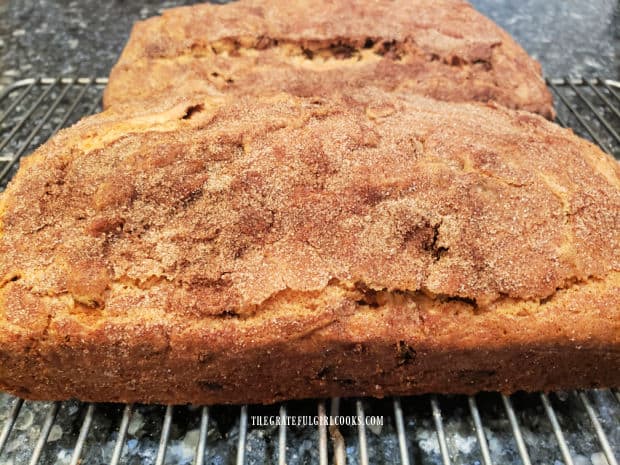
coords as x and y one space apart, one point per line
443 49
258 229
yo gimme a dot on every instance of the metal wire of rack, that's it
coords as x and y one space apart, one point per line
575 428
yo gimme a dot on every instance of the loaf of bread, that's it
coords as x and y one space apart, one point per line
439 48
256 249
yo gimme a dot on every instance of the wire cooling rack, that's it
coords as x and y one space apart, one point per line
571 428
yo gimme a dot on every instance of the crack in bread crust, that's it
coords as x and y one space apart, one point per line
341 49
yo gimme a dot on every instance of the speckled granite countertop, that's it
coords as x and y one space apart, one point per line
51 37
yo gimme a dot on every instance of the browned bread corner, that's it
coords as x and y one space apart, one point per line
439 48
263 248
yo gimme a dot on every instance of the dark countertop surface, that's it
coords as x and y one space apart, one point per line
52 37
